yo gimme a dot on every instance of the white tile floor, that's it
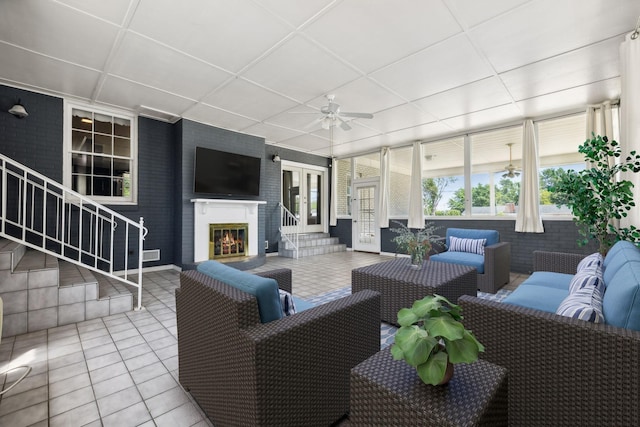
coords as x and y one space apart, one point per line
122 370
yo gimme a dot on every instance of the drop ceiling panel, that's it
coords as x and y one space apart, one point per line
229 34
206 114
58 31
380 32
544 28
486 118
300 70
400 117
38 71
143 60
242 97
131 95
574 99
112 11
307 143
474 96
296 12
422 132
596 62
361 96
339 135
302 118
271 133
449 64
474 12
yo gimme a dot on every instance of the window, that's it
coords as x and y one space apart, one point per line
558 141
443 177
100 154
367 166
495 171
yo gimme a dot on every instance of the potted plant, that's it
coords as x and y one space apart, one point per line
596 196
417 245
432 339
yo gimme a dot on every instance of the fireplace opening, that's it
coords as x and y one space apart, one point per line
228 240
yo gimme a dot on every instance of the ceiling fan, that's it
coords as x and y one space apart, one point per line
511 171
331 114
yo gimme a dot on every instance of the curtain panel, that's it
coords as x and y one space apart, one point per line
416 209
528 219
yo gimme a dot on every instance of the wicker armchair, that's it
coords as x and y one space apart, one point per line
288 372
562 371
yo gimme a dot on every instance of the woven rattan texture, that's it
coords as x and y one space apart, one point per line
400 284
558 262
289 372
562 371
386 392
497 265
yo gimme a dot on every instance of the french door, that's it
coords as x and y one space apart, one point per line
304 194
365 229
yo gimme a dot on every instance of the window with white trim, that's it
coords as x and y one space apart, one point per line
101 154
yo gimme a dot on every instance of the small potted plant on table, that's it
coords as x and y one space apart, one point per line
432 339
418 244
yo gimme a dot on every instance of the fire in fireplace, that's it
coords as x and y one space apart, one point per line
228 240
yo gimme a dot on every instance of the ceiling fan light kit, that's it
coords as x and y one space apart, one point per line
511 171
331 114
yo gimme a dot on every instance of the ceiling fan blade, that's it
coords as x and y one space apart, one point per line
344 125
357 115
313 123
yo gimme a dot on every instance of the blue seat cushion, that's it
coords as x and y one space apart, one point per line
537 297
549 279
264 289
464 258
302 305
620 254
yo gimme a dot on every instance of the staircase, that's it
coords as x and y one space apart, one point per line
40 292
311 244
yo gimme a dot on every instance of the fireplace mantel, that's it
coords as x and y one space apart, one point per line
212 211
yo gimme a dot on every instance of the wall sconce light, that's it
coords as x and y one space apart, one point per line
275 158
18 110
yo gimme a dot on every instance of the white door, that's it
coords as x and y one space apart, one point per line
365 230
303 194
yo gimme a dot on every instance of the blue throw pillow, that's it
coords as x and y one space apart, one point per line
474 246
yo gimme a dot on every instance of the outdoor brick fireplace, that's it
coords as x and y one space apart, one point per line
227 214
228 240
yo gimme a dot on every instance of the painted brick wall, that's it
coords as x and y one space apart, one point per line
560 236
35 141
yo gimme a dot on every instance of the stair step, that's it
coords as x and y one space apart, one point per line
310 243
10 254
311 251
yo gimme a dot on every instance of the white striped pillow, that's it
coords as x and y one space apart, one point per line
286 300
474 246
583 304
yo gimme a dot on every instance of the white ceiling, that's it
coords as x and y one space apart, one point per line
425 68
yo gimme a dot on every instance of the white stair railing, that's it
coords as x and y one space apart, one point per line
45 215
289 227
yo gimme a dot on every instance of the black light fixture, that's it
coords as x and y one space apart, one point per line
18 110
275 158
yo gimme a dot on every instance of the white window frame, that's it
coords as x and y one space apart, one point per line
67 155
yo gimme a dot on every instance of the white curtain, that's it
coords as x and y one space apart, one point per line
630 114
416 209
602 125
383 211
333 207
528 219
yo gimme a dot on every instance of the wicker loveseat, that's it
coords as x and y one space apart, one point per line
563 371
288 372
493 265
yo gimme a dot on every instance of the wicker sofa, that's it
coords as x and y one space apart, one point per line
493 266
562 371
288 372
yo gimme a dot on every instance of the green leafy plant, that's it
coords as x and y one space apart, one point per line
417 244
430 335
596 196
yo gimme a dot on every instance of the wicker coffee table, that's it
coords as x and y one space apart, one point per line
387 392
400 284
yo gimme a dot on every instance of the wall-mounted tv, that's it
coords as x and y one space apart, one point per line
222 173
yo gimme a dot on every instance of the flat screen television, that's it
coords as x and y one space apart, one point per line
222 173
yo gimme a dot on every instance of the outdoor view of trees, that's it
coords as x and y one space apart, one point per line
506 191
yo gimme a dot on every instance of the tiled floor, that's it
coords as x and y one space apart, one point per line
122 370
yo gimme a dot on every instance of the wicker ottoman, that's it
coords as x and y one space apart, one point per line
400 285
387 392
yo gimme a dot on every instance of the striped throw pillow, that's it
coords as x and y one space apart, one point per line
288 306
588 277
474 246
593 260
583 304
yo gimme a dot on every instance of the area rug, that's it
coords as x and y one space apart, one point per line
388 331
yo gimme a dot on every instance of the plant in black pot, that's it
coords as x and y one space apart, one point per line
432 338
